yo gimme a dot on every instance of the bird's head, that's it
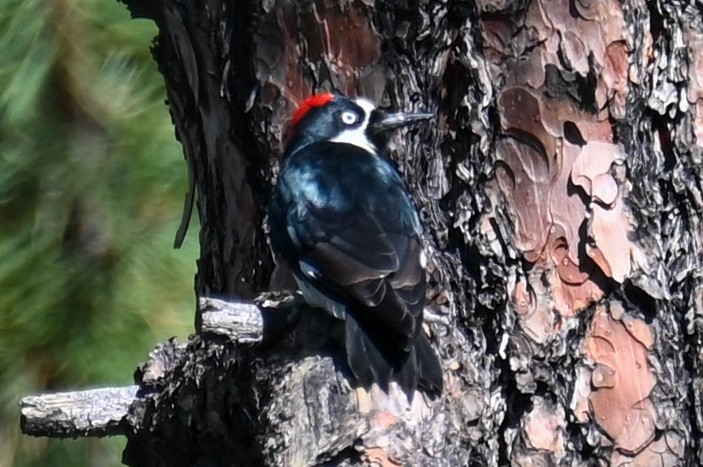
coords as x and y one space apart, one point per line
336 118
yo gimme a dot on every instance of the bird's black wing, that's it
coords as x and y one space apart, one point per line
353 231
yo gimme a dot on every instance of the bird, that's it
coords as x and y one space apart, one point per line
340 217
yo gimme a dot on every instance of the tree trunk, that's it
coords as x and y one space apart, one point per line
561 193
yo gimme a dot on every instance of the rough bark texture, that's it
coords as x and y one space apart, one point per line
561 191
96 412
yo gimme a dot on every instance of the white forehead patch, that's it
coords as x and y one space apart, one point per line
357 136
365 104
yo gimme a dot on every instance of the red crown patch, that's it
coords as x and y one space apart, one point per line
307 105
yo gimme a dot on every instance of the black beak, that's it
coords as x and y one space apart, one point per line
381 122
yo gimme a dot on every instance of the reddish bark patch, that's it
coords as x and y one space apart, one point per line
667 450
555 172
337 38
543 428
534 170
614 251
536 318
591 171
346 36
613 79
622 379
378 456
525 175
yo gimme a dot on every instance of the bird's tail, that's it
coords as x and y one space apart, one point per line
373 359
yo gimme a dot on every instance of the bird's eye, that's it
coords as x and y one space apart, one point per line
349 118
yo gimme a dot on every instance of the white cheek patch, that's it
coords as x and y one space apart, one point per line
357 136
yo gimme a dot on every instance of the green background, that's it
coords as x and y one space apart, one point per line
92 183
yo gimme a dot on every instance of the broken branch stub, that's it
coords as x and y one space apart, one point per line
102 412
95 412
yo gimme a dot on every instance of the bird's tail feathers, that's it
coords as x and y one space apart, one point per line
365 358
371 361
429 368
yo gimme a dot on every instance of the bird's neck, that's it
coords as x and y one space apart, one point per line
357 137
361 141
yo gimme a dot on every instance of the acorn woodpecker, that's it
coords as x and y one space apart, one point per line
341 219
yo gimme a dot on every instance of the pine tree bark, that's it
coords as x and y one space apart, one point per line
561 192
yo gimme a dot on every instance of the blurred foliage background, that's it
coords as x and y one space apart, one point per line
92 183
